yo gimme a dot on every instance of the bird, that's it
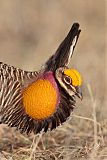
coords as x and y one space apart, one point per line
41 100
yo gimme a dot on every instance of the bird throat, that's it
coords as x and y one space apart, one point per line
40 99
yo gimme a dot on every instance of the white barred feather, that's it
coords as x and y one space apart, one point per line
11 84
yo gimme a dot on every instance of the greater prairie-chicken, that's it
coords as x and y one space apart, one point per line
35 101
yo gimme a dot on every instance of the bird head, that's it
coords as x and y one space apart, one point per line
70 80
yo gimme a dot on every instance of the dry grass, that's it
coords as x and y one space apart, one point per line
82 138
32 30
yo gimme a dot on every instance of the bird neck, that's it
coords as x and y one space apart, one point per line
51 78
41 98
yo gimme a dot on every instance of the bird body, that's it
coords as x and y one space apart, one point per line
35 101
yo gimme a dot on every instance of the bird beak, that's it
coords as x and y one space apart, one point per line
79 92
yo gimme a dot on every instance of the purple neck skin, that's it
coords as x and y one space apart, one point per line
50 76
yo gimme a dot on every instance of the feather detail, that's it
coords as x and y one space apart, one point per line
65 50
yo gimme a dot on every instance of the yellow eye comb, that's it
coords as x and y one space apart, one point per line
75 76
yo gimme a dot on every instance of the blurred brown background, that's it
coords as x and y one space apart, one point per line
30 32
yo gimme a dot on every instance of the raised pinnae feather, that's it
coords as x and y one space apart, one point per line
65 50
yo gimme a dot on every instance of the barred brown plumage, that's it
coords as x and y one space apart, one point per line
40 110
12 82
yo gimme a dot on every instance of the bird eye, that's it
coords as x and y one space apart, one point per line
67 80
